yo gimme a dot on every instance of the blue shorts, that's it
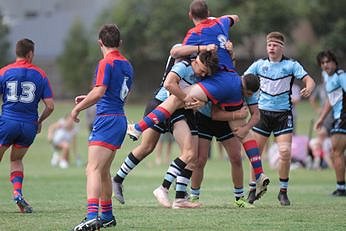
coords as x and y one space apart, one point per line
17 133
225 89
108 131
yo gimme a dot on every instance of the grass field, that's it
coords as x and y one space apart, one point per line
58 196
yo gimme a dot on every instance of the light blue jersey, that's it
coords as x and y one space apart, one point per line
187 77
276 80
336 88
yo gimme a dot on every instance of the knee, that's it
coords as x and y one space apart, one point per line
285 151
235 159
146 149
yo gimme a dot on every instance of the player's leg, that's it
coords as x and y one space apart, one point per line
181 133
338 158
2 151
107 218
157 115
24 138
198 172
233 147
284 143
17 177
147 145
253 153
188 143
165 110
149 140
107 136
98 159
261 141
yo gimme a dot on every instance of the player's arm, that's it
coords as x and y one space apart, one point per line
255 117
186 50
90 99
171 83
218 114
326 109
48 109
309 86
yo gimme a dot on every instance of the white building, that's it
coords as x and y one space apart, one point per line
47 23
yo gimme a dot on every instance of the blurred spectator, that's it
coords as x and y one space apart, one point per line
321 148
299 153
62 136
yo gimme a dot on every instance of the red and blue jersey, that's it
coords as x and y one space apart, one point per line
213 31
23 85
116 73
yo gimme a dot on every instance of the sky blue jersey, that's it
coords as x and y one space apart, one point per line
336 90
276 80
187 77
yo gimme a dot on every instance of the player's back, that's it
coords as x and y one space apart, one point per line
117 76
212 31
23 85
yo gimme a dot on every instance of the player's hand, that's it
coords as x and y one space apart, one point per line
229 46
74 115
240 132
195 104
39 127
79 99
318 124
242 113
211 47
305 92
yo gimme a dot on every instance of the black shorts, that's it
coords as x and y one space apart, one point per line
277 122
167 125
183 114
207 128
339 126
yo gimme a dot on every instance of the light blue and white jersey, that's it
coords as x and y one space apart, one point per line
206 109
336 88
276 80
187 77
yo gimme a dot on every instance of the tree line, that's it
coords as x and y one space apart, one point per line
150 27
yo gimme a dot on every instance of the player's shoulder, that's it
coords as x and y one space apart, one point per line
340 72
183 63
40 70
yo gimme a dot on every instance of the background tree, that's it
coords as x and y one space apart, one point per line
74 63
4 43
328 21
257 18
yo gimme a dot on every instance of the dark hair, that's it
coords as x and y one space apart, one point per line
199 9
210 60
326 54
251 82
23 47
110 35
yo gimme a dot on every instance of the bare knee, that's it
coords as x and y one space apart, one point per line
285 151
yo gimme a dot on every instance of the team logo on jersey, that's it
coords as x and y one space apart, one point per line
222 39
265 69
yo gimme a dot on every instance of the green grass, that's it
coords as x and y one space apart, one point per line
58 196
